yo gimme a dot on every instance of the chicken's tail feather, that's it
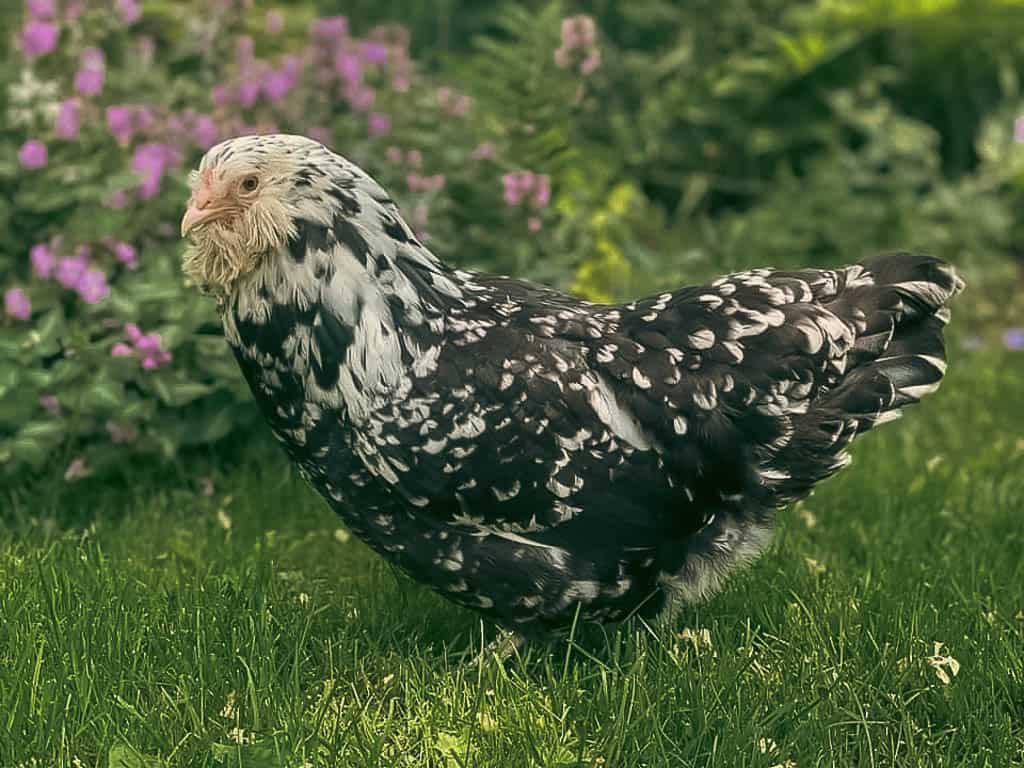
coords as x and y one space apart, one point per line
897 304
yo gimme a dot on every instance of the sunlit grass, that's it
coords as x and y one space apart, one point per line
147 625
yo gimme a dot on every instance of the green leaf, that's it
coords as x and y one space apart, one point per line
9 376
187 391
124 756
103 395
212 429
42 430
259 754
178 393
67 370
31 452
44 339
120 181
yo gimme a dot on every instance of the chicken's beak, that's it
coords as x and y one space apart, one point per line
199 210
193 218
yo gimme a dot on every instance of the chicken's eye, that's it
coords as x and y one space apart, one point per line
249 183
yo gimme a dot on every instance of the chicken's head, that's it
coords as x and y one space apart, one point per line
248 195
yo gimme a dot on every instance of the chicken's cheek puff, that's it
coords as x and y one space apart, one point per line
532 456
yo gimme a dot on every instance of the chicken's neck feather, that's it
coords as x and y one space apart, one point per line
351 308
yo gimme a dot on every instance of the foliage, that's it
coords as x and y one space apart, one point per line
608 148
104 348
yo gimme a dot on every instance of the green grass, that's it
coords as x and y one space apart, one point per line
138 628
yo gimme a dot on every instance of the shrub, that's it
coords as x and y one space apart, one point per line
608 148
104 351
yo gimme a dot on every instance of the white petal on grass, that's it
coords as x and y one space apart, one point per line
945 666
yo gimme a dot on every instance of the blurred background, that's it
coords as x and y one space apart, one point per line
608 148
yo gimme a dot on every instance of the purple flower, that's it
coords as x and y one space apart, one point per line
39 38
42 260
16 304
67 123
130 11
150 161
1018 129
461 105
379 124
32 154
220 95
146 49
590 63
361 98
570 35
122 432
277 85
50 404
420 216
244 50
249 90
578 32
146 345
522 183
121 122
148 342
155 359
76 469
349 66
401 76
1013 339
516 186
118 199
274 22
144 118
91 73
92 286
329 30
279 82
542 192
41 9
175 123
373 53
93 58
419 183
205 131
321 134
126 254
70 269
484 151
533 224
512 193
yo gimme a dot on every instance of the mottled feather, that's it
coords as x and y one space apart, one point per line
529 454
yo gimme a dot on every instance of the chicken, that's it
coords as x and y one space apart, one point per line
527 454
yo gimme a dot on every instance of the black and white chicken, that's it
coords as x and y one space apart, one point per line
525 453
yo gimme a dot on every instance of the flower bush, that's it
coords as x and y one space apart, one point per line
103 348
607 154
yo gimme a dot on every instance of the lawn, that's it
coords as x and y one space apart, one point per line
150 625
